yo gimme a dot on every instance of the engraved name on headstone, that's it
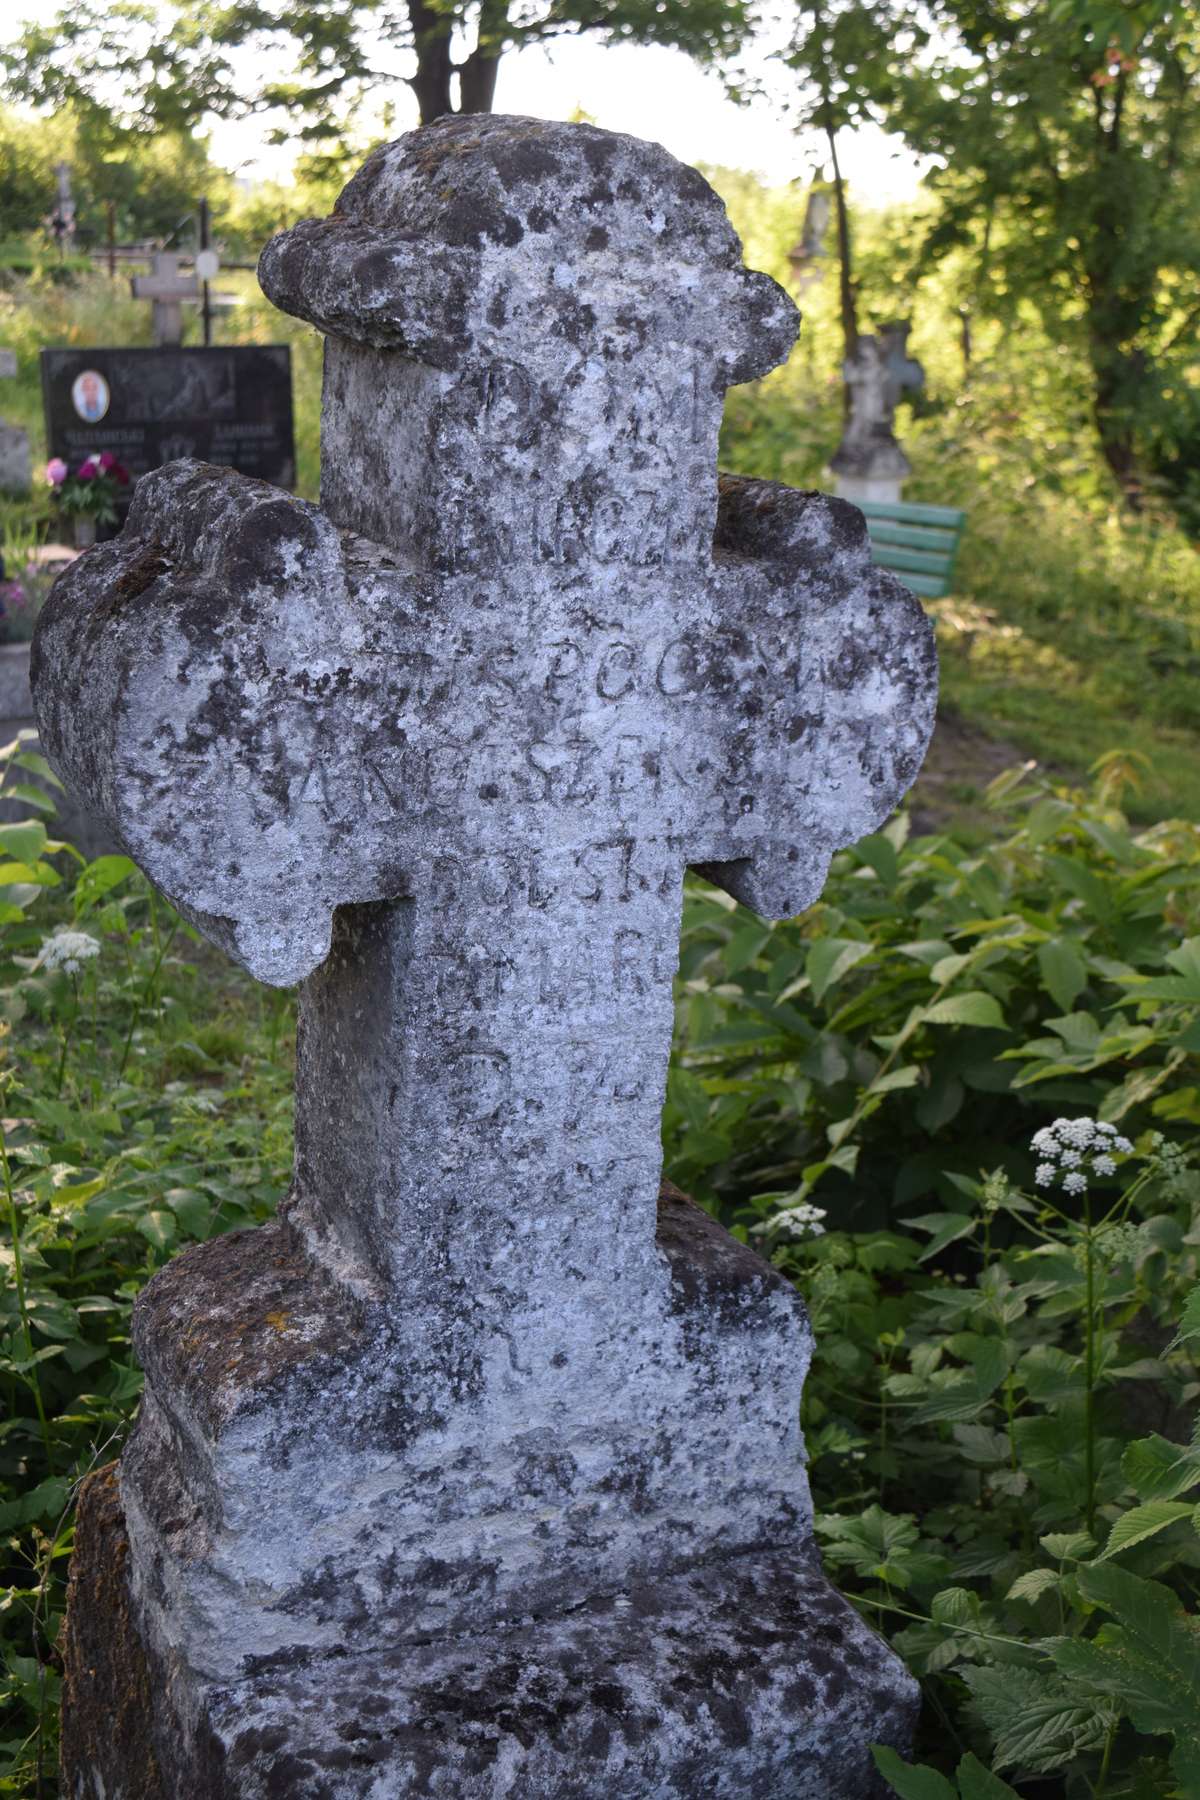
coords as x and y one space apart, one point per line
479 1472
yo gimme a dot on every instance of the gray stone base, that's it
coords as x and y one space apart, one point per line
881 490
746 1679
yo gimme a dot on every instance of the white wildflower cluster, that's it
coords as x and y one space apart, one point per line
68 950
1074 1148
797 1222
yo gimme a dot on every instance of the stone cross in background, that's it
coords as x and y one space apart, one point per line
479 1471
168 289
62 219
15 469
869 463
904 371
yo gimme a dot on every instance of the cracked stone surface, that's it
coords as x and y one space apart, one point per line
440 751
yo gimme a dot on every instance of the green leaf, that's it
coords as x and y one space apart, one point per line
977 1783
158 1228
1038 1721
830 959
80 1192
912 1781
1063 974
879 853
1067 1545
1189 1320
946 1228
1156 1469
905 1077
24 842
1143 1522
100 877
45 1502
973 1008
1032 1585
1147 1607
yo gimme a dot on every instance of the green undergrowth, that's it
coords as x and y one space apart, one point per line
1073 626
145 1102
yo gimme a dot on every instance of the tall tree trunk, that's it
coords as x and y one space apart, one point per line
1116 308
431 40
1115 375
477 76
845 271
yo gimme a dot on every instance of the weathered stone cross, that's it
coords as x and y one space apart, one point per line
441 751
168 289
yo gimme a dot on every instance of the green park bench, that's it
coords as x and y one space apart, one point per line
918 543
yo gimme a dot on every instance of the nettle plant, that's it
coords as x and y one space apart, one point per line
1000 1412
146 1103
988 1491
937 1006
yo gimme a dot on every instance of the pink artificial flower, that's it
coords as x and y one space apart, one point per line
86 470
120 473
106 461
56 471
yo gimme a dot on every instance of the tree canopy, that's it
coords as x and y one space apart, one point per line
139 70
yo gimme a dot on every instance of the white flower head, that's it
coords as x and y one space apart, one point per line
68 950
796 1222
1074 1147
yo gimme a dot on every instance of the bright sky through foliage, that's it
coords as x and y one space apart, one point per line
650 92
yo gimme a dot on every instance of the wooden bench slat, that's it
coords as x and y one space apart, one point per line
929 585
912 560
915 537
952 516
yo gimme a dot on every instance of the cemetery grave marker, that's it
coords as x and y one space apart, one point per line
15 466
231 405
168 289
62 219
479 1472
869 463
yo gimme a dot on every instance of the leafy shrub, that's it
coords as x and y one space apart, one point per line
867 1092
923 1019
145 1090
999 1411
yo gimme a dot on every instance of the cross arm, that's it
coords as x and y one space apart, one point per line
178 675
846 688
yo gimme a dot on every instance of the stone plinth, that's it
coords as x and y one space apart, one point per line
480 1472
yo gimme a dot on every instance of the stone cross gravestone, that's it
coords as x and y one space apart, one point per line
904 371
869 462
168 289
15 467
62 220
479 1471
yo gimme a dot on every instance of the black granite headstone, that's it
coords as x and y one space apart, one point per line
231 406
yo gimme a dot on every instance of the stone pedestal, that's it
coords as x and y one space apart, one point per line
731 1676
884 490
